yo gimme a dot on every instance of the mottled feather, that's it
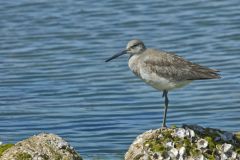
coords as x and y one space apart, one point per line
173 67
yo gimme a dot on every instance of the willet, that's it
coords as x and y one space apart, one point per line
162 70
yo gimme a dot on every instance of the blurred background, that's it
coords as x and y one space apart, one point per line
53 77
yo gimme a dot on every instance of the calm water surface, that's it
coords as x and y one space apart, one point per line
53 77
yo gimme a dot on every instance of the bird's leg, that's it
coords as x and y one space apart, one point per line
165 92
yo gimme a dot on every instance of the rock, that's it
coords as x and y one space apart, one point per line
170 144
189 142
202 143
234 155
4 147
192 133
41 147
226 147
200 157
182 151
224 156
173 153
180 132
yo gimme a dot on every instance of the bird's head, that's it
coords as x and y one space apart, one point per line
133 47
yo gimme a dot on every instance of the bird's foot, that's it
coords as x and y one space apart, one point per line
164 127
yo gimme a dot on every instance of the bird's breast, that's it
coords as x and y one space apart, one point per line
160 83
146 75
134 65
151 78
156 81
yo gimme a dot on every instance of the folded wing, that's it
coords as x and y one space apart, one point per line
173 67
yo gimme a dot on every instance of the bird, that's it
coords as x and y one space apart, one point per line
163 70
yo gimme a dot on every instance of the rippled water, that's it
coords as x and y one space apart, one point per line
53 77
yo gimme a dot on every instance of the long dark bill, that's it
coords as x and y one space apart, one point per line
116 55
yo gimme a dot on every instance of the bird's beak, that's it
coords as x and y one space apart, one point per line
116 55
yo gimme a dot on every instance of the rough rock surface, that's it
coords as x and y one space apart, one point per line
41 147
190 142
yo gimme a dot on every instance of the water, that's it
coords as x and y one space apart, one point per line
53 77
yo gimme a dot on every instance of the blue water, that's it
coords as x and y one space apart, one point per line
53 77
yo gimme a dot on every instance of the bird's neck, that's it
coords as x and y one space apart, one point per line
133 64
134 56
137 54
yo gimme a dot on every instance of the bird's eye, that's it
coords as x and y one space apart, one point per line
135 45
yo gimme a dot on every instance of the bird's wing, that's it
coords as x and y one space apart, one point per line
171 66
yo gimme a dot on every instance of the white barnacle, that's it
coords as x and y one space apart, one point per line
182 151
180 132
226 147
202 143
173 153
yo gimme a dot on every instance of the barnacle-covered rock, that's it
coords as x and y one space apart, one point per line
40 147
189 142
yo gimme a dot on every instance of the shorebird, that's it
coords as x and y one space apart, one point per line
163 70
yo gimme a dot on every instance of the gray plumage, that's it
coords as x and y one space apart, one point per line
162 70
173 67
